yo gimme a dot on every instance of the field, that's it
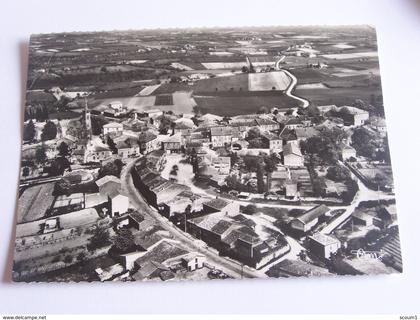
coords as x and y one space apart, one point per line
181 66
236 105
148 90
353 55
268 81
237 82
34 202
224 65
338 96
164 100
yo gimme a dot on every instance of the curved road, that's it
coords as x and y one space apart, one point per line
232 267
305 103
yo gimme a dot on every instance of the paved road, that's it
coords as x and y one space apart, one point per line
364 194
229 266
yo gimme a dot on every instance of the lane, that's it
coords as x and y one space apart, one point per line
305 103
231 267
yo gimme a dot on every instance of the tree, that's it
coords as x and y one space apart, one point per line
49 132
40 155
111 168
97 124
63 149
111 145
250 209
373 235
233 182
253 133
338 173
58 166
251 162
260 178
100 239
29 131
124 241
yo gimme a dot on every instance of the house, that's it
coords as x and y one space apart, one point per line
267 124
226 207
157 260
362 218
288 135
347 152
51 225
297 268
302 134
127 148
193 261
274 142
97 152
108 184
221 164
221 136
112 127
353 116
135 219
148 142
293 123
183 127
292 156
118 203
323 245
179 204
172 143
309 219
291 189
379 125
152 113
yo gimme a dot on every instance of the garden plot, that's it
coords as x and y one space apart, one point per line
268 81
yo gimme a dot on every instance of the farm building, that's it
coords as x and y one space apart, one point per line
309 219
323 245
292 155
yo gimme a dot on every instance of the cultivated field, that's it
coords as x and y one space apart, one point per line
224 65
236 105
268 81
338 96
34 202
353 55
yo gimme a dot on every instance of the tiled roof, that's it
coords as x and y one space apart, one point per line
314 213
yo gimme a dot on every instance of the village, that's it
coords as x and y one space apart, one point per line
110 191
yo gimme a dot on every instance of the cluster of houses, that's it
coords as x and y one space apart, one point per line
216 221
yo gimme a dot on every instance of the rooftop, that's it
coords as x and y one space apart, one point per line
324 239
314 213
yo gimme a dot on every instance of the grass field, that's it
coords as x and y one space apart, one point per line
236 105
